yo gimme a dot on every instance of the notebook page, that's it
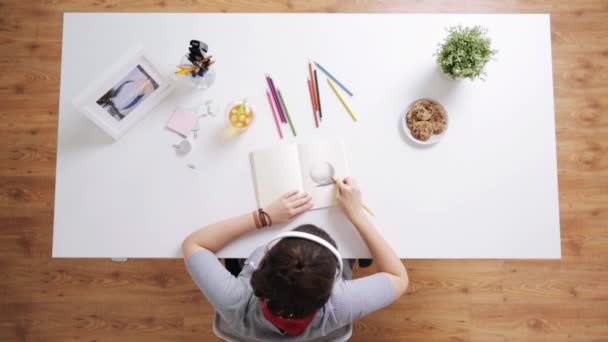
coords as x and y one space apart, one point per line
275 171
319 162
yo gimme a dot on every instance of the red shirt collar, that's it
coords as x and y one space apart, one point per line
293 327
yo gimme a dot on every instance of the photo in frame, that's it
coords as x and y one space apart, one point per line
125 93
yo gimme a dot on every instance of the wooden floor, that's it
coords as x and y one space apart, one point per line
42 299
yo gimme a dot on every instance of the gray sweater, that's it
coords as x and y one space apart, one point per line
238 316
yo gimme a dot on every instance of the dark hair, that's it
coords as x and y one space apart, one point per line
296 276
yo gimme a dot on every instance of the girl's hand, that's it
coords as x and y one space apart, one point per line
287 207
348 196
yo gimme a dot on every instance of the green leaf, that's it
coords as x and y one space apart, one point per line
465 52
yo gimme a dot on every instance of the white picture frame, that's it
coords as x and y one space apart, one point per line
124 94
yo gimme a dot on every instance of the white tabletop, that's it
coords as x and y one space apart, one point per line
487 190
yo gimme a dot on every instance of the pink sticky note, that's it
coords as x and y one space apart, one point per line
181 122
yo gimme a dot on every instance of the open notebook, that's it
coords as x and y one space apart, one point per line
307 167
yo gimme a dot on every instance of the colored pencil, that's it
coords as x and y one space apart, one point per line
333 79
275 96
274 114
281 105
318 96
183 70
333 87
365 207
312 100
314 95
293 129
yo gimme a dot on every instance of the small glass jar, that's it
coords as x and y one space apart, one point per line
197 82
237 119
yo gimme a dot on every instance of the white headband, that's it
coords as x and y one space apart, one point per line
313 238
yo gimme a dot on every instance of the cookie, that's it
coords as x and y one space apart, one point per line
423 103
425 118
438 126
423 114
436 108
422 130
409 119
438 119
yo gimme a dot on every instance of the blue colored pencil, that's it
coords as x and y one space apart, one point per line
333 79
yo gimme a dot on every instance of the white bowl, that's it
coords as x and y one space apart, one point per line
435 138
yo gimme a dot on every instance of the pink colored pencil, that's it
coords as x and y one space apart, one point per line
312 100
274 113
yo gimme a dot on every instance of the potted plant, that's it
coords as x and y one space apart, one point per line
465 52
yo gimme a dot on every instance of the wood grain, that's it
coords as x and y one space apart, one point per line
44 299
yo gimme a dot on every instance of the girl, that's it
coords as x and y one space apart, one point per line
296 288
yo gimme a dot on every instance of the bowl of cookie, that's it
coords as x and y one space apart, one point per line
425 122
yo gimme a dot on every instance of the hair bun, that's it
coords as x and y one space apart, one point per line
286 277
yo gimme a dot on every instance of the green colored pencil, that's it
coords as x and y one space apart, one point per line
293 129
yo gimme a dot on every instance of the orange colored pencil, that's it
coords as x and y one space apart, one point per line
312 100
314 94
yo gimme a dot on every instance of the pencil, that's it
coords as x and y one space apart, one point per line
312 99
365 207
293 129
314 95
333 87
318 97
275 96
183 70
333 79
274 114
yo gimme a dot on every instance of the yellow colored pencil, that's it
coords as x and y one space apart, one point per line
367 209
362 204
350 111
183 70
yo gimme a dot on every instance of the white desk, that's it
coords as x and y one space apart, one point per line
487 190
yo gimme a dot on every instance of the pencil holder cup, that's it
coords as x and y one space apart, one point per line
239 119
197 82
